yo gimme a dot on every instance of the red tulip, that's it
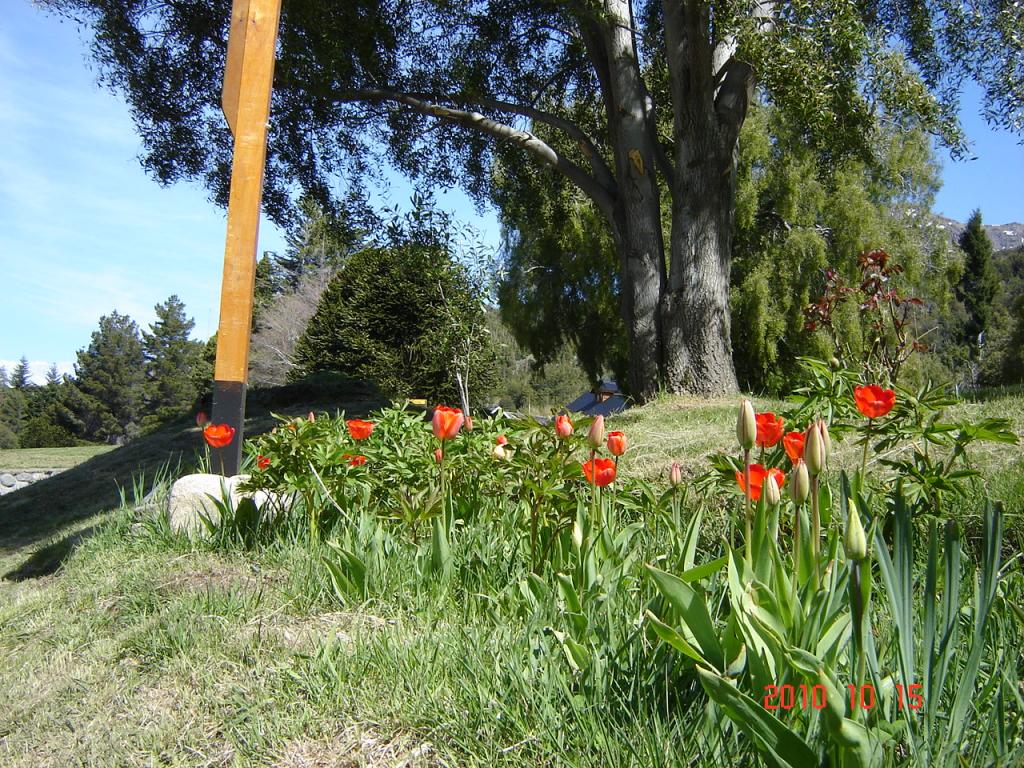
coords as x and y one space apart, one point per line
873 401
617 443
793 442
599 472
262 462
359 429
563 427
354 461
218 435
758 474
502 440
769 429
447 422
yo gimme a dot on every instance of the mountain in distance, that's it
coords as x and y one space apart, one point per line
1003 236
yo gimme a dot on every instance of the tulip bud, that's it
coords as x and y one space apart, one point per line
468 424
835 364
616 443
814 449
501 453
800 483
823 426
311 416
675 475
438 455
596 435
854 541
746 426
563 426
772 494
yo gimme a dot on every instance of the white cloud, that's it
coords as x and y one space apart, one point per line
38 368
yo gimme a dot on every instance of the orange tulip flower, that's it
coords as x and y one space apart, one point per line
262 462
758 475
563 427
359 429
616 443
218 435
873 401
354 461
599 472
793 442
447 422
769 429
501 440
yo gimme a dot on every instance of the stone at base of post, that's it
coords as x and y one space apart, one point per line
228 408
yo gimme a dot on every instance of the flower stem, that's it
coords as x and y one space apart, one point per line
815 532
749 543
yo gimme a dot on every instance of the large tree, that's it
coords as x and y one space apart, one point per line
979 284
447 87
109 381
170 359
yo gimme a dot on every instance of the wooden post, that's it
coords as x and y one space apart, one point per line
245 100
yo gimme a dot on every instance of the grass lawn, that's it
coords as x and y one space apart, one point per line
144 649
50 458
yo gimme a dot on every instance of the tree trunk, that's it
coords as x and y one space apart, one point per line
695 308
710 95
637 222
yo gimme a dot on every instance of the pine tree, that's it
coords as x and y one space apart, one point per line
979 284
110 379
4 380
21 377
170 357
269 283
53 376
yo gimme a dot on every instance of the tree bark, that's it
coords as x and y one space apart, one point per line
637 219
710 94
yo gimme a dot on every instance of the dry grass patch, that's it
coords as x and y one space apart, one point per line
359 746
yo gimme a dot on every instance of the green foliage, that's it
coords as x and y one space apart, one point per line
171 358
523 385
980 283
20 376
7 437
405 316
559 285
797 214
110 381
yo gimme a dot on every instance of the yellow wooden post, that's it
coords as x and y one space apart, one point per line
245 100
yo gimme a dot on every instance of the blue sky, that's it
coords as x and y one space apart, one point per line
84 231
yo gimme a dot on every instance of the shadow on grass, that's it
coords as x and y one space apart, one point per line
38 513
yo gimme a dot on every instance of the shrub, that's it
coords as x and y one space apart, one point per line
405 317
7 437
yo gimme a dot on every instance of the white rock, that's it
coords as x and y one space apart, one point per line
7 480
190 497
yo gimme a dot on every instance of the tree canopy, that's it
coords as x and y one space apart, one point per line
642 104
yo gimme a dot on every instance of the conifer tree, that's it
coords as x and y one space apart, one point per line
979 284
4 380
170 357
53 376
21 377
110 379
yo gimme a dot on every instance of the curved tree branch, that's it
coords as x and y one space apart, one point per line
599 188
